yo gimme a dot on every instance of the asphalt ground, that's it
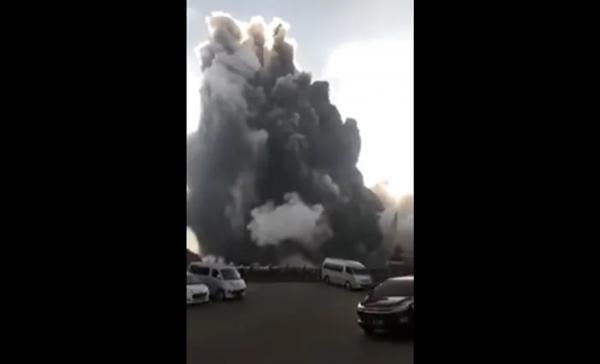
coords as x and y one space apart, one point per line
288 323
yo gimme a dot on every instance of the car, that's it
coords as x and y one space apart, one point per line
389 307
197 292
223 280
348 273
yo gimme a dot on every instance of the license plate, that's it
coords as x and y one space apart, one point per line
378 322
404 320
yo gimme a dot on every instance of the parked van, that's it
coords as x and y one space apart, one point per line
351 274
223 281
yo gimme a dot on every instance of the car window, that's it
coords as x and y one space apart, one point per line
404 288
357 271
202 271
333 267
215 273
230 274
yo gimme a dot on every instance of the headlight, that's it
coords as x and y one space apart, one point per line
404 305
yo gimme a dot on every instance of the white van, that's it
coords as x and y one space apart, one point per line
349 273
223 281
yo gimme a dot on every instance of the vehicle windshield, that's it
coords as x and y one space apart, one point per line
230 274
358 271
193 280
404 288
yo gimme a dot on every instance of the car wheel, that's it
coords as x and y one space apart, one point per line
347 285
326 279
220 295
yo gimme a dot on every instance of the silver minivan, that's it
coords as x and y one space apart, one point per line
223 281
348 273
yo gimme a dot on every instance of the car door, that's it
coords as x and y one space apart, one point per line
343 275
215 277
202 273
339 275
347 275
333 273
327 272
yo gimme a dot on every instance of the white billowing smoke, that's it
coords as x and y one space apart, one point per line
233 64
250 83
397 225
333 187
293 220
213 259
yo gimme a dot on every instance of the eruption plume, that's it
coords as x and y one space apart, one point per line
267 129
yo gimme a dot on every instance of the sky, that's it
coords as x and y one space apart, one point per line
364 48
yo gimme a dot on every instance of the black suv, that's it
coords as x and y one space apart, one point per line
389 307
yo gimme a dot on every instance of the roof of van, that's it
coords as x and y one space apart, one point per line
212 265
349 263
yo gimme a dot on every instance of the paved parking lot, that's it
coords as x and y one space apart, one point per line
288 323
